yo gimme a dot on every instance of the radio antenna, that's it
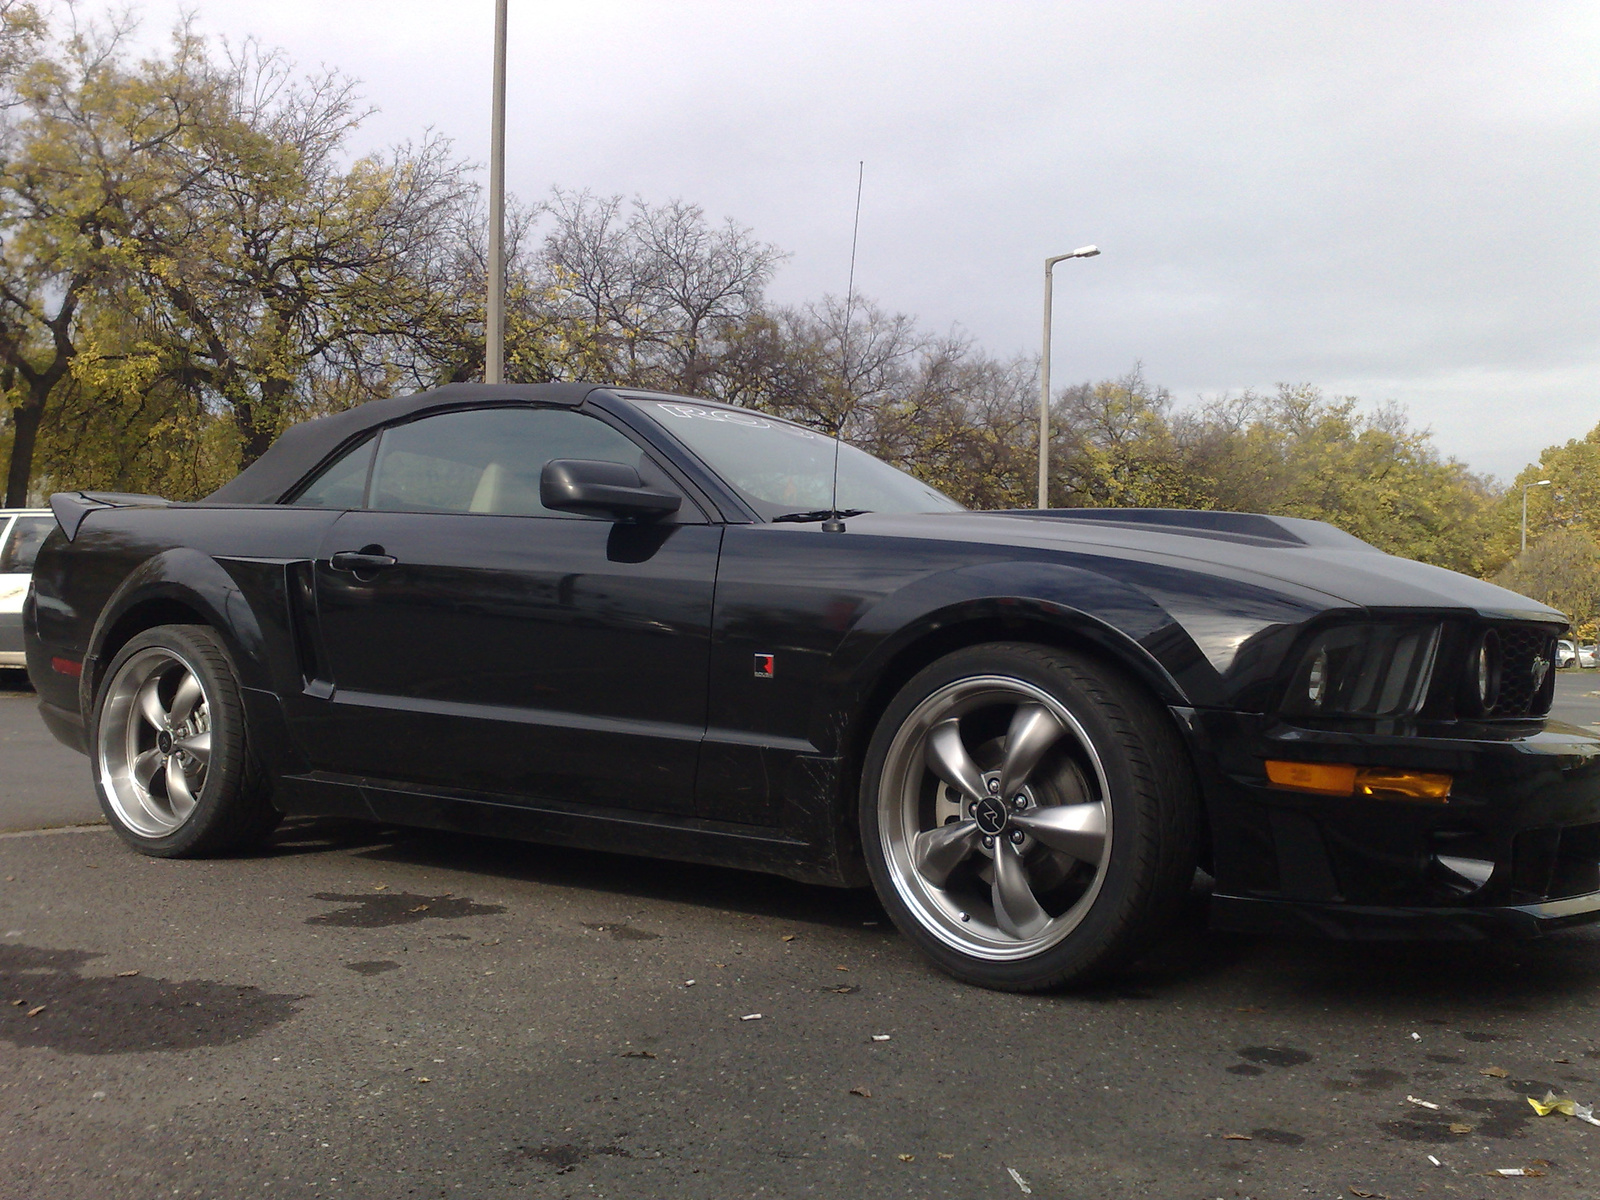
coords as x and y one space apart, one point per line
833 524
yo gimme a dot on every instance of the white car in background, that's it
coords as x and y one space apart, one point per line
1570 654
22 531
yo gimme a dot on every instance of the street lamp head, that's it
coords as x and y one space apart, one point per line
1541 483
1085 252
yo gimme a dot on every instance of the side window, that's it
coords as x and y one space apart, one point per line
486 460
22 545
343 484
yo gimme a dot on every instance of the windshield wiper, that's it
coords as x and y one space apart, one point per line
821 514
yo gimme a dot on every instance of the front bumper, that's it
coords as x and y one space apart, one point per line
1374 923
1514 852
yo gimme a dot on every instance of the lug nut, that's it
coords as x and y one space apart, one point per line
1016 837
994 785
1019 803
988 842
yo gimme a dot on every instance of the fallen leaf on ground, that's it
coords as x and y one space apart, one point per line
864 1093
1237 1137
842 991
906 1157
841 968
18 1003
34 1012
380 887
1585 1112
638 1054
1553 1103
1355 1191
1458 1127
1423 1103
418 908
1019 1181
1514 1172
1494 1072
789 937
880 1037
126 974
942 1154
751 1017
423 1079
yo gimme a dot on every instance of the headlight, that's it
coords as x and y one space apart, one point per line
1367 670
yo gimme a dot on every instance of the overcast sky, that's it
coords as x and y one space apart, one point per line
1391 200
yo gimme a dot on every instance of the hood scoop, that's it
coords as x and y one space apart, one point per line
1253 529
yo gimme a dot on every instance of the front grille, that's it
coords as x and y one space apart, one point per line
1527 671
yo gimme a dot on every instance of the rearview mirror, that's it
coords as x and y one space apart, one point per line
601 489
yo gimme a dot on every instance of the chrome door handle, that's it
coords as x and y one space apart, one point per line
360 560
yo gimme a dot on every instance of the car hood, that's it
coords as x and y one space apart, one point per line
1305 556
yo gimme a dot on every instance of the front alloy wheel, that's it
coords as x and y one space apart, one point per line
1014 818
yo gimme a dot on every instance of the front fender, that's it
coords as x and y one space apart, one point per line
196 581
1121 621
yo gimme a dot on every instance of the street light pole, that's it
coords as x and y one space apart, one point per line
1044 373
1525 487
495 333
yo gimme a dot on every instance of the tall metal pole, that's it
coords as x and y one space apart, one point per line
494 364
1044 392
1044 373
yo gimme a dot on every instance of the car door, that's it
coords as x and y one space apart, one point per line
486 645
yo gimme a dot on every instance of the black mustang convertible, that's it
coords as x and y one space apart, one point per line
654 624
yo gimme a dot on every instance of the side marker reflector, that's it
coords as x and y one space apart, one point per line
66 666
1328 779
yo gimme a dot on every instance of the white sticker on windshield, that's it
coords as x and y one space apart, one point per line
733 417
690 411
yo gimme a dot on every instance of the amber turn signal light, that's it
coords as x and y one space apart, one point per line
1343 779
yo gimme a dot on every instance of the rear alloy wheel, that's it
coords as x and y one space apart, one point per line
171 763
1029 816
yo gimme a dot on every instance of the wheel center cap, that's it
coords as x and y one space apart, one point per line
991 815
164 742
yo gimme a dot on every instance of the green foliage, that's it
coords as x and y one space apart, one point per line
1561 569
191 259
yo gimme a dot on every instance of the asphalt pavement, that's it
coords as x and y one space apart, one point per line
375 1013
42 783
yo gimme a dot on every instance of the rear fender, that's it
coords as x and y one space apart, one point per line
194 580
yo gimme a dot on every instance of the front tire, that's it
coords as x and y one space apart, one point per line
172 763
1029 816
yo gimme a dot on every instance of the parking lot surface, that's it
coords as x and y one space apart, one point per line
368 1012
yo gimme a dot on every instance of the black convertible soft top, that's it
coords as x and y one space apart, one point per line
305 445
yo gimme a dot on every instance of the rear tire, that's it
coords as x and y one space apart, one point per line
1030 817
171 756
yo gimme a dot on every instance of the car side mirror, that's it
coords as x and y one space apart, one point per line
601 489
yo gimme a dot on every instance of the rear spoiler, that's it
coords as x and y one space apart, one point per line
71 508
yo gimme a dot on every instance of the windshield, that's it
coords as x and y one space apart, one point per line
780 468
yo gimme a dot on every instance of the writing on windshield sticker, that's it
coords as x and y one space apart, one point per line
726 416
